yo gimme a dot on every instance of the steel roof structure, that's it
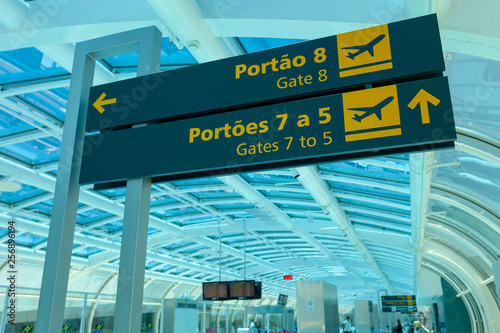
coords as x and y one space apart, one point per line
367 226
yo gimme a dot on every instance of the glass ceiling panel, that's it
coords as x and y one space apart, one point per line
170 56
28 239
23 65
306 197
112 226
368 190
44 207
26 192
158 199
114 192
86 252
367 205
91 216
270 178
475 177
11 125
52 101
475 95
34 152
233 207
252 44
362 169
463 221
221 194
196 182
176 212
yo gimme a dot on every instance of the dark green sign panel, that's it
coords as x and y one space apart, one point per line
399 303
405 298
404 309
403 50
393 118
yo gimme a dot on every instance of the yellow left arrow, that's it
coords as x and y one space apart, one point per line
100 102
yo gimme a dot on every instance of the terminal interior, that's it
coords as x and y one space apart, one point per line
425 224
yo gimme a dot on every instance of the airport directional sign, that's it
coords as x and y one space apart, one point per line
396 118
405 309
405 298
384 54
400 303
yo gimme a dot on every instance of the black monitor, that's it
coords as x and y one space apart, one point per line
216 291
242 289
282 299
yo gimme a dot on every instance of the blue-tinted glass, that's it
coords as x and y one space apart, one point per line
195 220
52 102
232 207
114 192
28 239
362 189
86 252
152 230
368 205
152 264
474 93
26 192
170 56
251 44
112 226
11 125
27 64
161 199
289 195
44 207
34 152
196 182
270 178
177 212
91 216
367 170
223 194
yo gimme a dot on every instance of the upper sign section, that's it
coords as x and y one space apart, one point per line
385 53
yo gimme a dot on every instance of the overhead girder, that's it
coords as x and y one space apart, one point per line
242 187
314 184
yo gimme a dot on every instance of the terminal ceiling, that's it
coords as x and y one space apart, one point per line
367 226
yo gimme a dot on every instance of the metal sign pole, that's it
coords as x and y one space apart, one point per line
130 289
62 226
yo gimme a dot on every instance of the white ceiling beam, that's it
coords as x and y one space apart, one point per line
420 185
23 137
184 19
247 191
314 184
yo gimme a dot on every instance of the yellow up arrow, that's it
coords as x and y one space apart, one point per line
422 97
100 102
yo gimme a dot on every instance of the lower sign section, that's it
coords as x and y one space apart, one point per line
405 309
397 118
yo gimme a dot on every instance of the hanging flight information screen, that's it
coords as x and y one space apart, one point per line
242 289
215 291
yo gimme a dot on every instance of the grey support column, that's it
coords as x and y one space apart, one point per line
62 223
62 226
83 319
130 289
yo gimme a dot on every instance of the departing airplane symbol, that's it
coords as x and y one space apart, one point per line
369 110
363 48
